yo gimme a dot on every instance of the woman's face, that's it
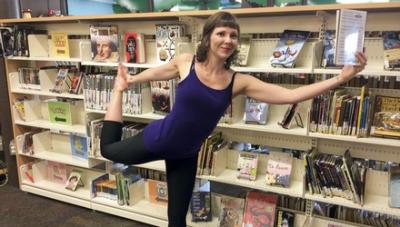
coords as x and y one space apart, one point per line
223 41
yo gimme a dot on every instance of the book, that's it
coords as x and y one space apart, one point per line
59 45
166 35
59 112
284 218
255 112
260 209
134 47
79 146
158 192
104 43
328 54
350 29
288 48
26 172
60 80
391 50
386 117
231 212
74 180
56 172
247 165
244 50
394 186
161 96
74 82
200 206
6 41
279 168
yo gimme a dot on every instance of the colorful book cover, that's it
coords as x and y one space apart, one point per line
288 48
26 172
255 112
161 96
56 172
74 180
260 209
231 212
391 49
247 165
79 146
386 117
279 168
59 45
134 47
328 55
158 192
75 82
60 80
60 112
104 43
200 206
166 35
284 218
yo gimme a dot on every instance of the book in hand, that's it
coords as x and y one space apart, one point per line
288 48
350 29
386 117
391 50
74 180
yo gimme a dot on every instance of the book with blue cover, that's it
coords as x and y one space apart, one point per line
79 146
288 48
391 50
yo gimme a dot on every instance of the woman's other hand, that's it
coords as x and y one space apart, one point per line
349 71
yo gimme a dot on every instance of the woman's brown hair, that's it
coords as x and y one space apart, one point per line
220 19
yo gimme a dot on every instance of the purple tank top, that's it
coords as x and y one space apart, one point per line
195 114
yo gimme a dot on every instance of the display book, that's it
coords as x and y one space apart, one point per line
350 31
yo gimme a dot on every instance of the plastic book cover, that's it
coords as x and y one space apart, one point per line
386 117
260 209
288 48
231 212
104 43
79 146
60 112
391 49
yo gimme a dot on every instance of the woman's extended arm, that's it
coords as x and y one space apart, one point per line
275 94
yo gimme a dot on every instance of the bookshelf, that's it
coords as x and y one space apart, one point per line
381 17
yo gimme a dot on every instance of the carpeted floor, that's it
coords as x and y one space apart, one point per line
20 209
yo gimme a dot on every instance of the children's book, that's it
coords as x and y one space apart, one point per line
60 112
79 146
56 172
288 48
386 117
391 50
59 45
104 43
74 180
279 168
260 209
350 29
231 212
247 165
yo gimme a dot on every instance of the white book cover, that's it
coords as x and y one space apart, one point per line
350 31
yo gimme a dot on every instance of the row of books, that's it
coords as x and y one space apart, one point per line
57 173
67 80
354 215
338 112
333 175
78 144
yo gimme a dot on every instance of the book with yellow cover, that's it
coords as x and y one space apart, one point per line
59 45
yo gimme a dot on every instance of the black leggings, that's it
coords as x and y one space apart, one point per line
181 173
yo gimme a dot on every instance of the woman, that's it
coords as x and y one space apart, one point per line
207 85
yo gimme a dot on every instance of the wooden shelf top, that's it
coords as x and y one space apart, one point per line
243 12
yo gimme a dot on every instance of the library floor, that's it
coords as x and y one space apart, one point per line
18 208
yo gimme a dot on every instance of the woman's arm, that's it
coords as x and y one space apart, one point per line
274 94
114 109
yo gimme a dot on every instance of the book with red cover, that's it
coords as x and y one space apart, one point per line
260 209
